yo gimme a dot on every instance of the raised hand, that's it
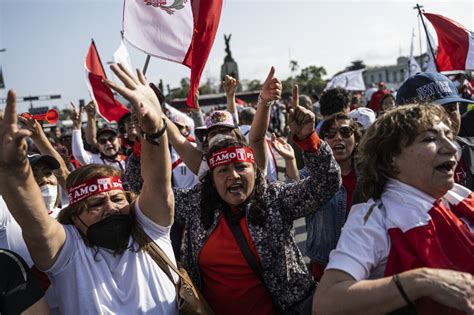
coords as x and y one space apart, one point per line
32 125
91 109
76 117
13 154
146 105
271 89
300 119
283 148
230 85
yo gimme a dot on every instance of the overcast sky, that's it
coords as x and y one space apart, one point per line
46 41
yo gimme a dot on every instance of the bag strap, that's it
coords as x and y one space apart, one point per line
244 246
162 260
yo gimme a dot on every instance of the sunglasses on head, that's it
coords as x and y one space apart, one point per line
344 131
105 139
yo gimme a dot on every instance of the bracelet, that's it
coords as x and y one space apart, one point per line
154 137
261 100
410 304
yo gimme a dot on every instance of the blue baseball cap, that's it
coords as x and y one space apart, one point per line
425 87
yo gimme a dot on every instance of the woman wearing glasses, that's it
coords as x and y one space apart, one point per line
324 227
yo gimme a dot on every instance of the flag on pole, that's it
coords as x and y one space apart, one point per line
455 44
122 56
350 80
109 108
413 66
430 60
182 31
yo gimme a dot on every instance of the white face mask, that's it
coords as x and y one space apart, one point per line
50 194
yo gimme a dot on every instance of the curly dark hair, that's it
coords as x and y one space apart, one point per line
211 201
334 100
385 139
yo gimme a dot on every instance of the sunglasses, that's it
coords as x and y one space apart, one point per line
345 132
104 140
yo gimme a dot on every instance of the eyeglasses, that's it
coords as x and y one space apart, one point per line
104 140
344 131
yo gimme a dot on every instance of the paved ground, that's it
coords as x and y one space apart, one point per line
300 226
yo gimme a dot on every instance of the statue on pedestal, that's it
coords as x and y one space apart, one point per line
229 67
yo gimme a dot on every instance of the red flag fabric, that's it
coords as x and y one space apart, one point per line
109 108
182 31
455 44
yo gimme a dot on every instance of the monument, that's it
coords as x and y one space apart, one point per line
229 67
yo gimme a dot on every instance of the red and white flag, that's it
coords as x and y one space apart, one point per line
182 31
109 108
455 44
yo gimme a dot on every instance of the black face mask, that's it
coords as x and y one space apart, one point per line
112 232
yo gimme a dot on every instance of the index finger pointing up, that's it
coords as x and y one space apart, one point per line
10 110
295 102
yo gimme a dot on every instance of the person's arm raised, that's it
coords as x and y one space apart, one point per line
45 147
91 127
156 199
271 91
43 235
190 155
230 86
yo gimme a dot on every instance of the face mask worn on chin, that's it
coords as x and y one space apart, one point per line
50 195
112 232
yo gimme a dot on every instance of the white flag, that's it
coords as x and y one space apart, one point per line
351 80
413 66
430 65
122 56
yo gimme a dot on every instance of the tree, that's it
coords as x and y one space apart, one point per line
310 81
356 65
182 91
254 85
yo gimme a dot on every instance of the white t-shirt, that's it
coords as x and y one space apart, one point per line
90 282
183 177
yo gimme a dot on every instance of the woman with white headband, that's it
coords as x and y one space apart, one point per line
92 255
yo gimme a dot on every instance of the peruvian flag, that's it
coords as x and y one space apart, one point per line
455 44
182 31
109 108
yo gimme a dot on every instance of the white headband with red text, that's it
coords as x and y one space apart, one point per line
230 155
93 187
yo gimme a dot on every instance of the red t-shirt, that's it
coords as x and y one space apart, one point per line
349 182
229 284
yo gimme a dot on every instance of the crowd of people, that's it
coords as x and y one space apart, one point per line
385 188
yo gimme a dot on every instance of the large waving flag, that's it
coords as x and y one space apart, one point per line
182 31
455 44
109 108
350 80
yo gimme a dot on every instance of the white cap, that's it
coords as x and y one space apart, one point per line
363 115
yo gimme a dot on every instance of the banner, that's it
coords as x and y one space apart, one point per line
351 80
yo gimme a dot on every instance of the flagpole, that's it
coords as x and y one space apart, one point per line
427 37
145 66
98 56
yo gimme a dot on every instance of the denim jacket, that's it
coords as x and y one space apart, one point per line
323 228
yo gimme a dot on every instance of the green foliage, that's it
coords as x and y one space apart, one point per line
310 81
254 85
